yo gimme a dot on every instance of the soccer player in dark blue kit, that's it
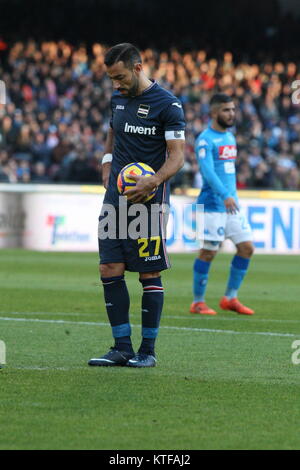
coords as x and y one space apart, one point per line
147 125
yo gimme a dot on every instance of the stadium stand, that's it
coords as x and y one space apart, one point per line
54 124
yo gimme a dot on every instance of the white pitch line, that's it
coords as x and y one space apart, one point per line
195 317
236 318
40 320
47 368
199 330
67 314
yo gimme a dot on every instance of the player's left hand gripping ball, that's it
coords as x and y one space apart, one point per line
126 182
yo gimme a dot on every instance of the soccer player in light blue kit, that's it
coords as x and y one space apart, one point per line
223 219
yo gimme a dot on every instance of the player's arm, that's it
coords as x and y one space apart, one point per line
174 125
174 162
172 165
204 156
108 150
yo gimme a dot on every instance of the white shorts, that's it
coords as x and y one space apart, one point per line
219 226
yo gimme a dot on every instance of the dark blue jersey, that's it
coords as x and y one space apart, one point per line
141 127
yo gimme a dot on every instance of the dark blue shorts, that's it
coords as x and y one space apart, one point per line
144 254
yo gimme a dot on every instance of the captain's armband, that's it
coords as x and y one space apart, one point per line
174 135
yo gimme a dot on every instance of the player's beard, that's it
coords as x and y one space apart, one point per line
223 123
133 90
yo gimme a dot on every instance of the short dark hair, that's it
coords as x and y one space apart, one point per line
125 52
220 98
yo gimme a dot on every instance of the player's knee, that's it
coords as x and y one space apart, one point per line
104 270
111 270
207 255
149 275
245 249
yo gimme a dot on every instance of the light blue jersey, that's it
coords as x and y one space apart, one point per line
216 153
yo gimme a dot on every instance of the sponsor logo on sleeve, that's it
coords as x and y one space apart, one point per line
177 134
177 104
202 146
202 152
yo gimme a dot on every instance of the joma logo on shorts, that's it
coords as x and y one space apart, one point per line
139 129
152 258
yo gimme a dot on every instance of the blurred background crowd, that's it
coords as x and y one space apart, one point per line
54 125
57 115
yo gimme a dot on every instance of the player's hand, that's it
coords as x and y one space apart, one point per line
106 167
144 187
231 205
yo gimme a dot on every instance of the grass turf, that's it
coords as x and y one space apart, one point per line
224 382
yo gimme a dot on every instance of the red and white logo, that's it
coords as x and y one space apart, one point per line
227 152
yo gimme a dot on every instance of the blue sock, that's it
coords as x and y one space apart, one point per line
201 269
152 304
117 306
239 267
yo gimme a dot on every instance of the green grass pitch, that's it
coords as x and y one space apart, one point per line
224 382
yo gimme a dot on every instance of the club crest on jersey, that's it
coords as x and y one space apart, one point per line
143 111
227 152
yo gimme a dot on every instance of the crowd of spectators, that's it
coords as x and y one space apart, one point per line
54 124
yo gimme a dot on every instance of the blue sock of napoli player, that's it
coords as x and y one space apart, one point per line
152 304
238 270
201 269
117 306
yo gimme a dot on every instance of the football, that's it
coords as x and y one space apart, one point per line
124 181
